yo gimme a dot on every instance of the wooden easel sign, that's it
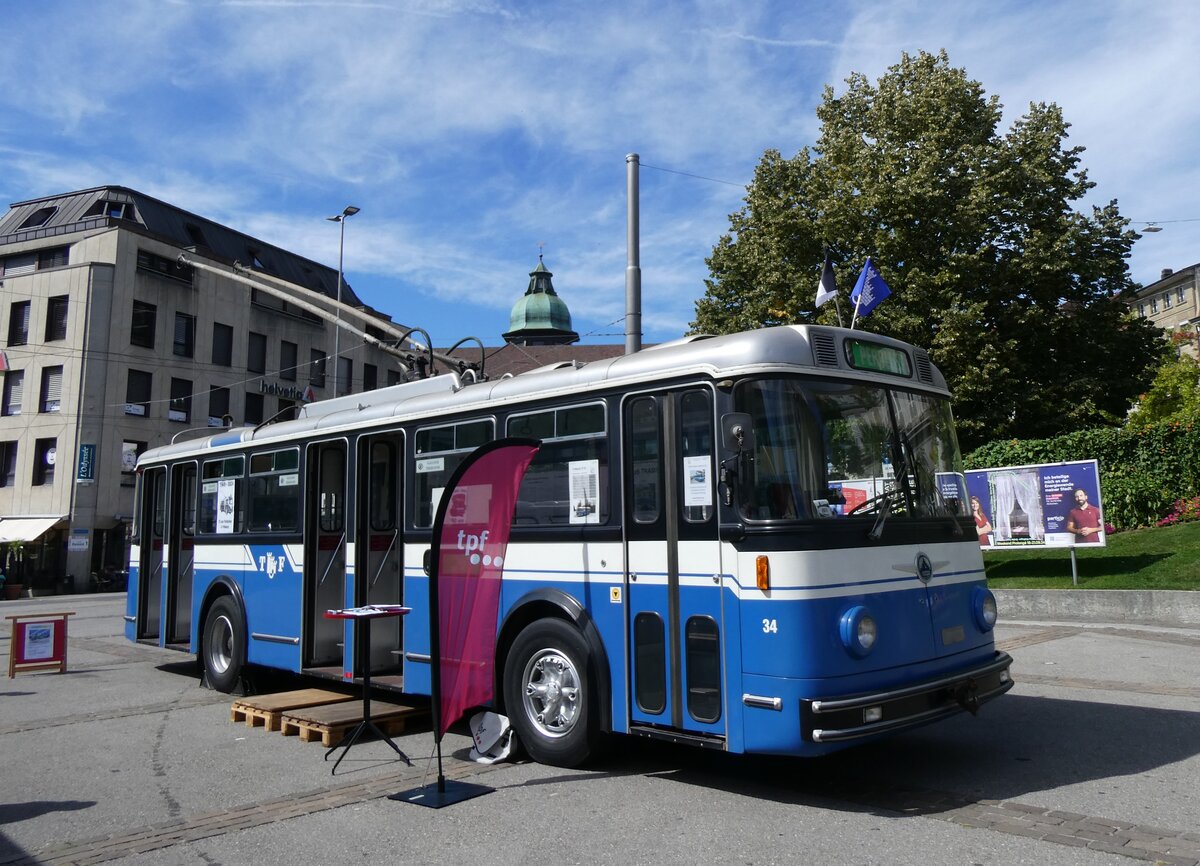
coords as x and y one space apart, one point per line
39 643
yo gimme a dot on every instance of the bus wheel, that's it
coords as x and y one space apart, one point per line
548 693
223 650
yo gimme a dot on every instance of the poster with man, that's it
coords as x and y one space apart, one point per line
1042 505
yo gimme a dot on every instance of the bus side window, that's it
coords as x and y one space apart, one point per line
645 459
567 483
696 451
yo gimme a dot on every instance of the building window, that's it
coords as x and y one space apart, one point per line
22 263
14 389
394 377
222 354
137 392
1142 310
288 357
164 267
8 464
45 454
218 406
1181 295
256 355
185 335
114 209
316 368
196 236
38 218
254 408
1166 300
370 377
141 329
129 458
56 257
345 376
287 410
1153 306
18 323
51 389
181 400
56 318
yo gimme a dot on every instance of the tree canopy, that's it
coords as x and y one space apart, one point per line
1019 297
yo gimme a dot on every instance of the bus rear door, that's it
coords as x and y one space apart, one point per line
154 554
673 567
379 552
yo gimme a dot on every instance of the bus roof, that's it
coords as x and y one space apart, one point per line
788 348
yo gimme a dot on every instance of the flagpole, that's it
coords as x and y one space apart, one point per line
856 303
838 306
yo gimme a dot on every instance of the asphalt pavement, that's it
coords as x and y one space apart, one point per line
1092 758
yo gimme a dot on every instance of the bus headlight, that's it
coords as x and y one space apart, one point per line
858 631
984 604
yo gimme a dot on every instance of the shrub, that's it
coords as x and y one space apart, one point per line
1144 472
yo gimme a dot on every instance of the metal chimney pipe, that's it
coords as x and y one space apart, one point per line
633 260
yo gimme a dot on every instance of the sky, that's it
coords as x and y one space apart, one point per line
475 135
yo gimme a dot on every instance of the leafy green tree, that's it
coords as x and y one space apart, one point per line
1174 394
1019 297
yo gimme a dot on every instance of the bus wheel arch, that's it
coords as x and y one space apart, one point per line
547 603
223 638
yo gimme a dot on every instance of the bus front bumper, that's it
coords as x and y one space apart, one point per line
866 715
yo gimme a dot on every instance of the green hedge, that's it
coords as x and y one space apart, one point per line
1142 472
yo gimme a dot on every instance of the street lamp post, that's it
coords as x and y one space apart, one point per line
349 211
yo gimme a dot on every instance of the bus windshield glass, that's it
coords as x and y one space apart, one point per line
834 449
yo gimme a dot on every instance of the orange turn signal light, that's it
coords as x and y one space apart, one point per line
762 573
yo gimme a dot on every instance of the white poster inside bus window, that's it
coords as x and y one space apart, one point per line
584 488
697 490
226 505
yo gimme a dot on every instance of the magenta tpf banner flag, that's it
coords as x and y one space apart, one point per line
471 532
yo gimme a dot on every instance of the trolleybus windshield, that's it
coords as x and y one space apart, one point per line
835 449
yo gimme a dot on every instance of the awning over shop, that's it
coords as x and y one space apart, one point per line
25 528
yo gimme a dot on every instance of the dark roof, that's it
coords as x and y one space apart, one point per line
90 208
509 358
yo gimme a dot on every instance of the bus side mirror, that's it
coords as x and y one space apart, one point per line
426 558
737 436
737 432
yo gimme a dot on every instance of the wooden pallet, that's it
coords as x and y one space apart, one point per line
267 710
331 722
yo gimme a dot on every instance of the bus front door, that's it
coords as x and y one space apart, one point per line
182 544
379 552
673 567
325 555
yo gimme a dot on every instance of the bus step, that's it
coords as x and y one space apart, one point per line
704 741
267 710
330 723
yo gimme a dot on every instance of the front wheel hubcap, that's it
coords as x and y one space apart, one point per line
553 695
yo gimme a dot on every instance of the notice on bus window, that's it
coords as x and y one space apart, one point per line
584 478
226 505
697 489
39 641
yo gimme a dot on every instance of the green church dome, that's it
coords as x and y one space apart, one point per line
540 317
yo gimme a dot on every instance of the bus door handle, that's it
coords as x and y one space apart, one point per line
383 562
332 559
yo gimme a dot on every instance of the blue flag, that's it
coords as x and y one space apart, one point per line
869 291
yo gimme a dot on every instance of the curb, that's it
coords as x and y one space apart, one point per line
1147 606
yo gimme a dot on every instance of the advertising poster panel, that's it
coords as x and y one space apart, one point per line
1043 505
